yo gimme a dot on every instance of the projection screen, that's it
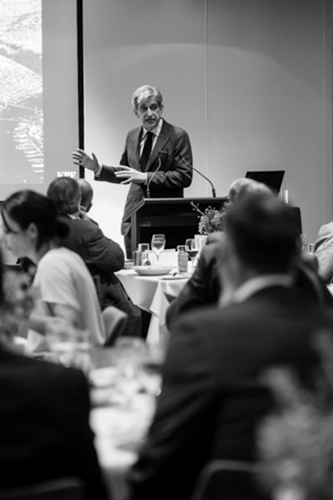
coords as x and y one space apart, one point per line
38 93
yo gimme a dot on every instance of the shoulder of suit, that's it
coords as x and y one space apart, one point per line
326 230
167 128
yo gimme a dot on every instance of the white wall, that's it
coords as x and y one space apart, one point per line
250 81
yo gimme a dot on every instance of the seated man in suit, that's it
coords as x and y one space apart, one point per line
212 398
44 420
87 195
102 255
205 286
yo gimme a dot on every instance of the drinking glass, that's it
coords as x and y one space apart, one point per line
144 248
158 245
193 249
71 346
311 248
304 241
128 353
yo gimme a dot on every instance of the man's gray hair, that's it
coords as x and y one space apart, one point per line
143 93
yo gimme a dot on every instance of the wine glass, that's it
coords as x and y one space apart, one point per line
158 245
192 249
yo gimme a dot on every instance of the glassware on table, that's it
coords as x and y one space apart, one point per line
71 346
193 249
144 248
182 258
311 248
128 354
158 245
304 241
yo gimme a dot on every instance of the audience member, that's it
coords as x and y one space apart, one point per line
102 255
205 286
87 195
212 399
66 289
324 252
44 416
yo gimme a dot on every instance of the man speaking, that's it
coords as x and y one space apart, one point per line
152 160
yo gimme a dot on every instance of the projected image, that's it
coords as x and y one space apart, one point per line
21 92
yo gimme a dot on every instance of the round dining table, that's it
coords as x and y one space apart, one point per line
153 293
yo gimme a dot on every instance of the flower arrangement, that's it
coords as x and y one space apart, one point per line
211 219
296 442
17 303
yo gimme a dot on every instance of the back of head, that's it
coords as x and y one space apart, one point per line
29 207
143 93
65 194
87 194
245 185
263 233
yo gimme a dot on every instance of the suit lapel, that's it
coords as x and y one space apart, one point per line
135 145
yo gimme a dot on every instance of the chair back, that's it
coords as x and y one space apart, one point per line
228 480
67 488
114 322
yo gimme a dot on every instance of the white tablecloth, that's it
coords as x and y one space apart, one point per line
149 292
118 435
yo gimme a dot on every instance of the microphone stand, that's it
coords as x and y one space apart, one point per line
152 177
202 175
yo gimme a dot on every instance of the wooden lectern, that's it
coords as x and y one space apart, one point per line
174 217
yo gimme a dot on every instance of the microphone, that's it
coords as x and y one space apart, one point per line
198 172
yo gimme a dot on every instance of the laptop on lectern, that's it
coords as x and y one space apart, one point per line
272 178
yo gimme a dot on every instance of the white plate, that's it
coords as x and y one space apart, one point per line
176 277
152 271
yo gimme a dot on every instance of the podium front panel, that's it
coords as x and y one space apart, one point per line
174 217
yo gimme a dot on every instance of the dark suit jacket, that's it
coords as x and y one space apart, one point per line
205 285
103 258
44 421
211 399
170 180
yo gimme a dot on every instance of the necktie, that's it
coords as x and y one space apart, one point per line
146 151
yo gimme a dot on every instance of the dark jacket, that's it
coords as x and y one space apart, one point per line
212 398
44 420
103 258
173 174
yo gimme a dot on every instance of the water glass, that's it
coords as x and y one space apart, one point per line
158 244
311 248
128 353
193 249
144 248
71 346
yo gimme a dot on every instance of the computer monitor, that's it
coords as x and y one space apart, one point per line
272 178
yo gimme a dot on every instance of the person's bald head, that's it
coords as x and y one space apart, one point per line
245 185
87 194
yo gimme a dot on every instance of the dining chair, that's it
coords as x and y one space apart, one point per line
11 267
114 322
228 480
65 488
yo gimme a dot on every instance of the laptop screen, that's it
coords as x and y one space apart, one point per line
272 178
